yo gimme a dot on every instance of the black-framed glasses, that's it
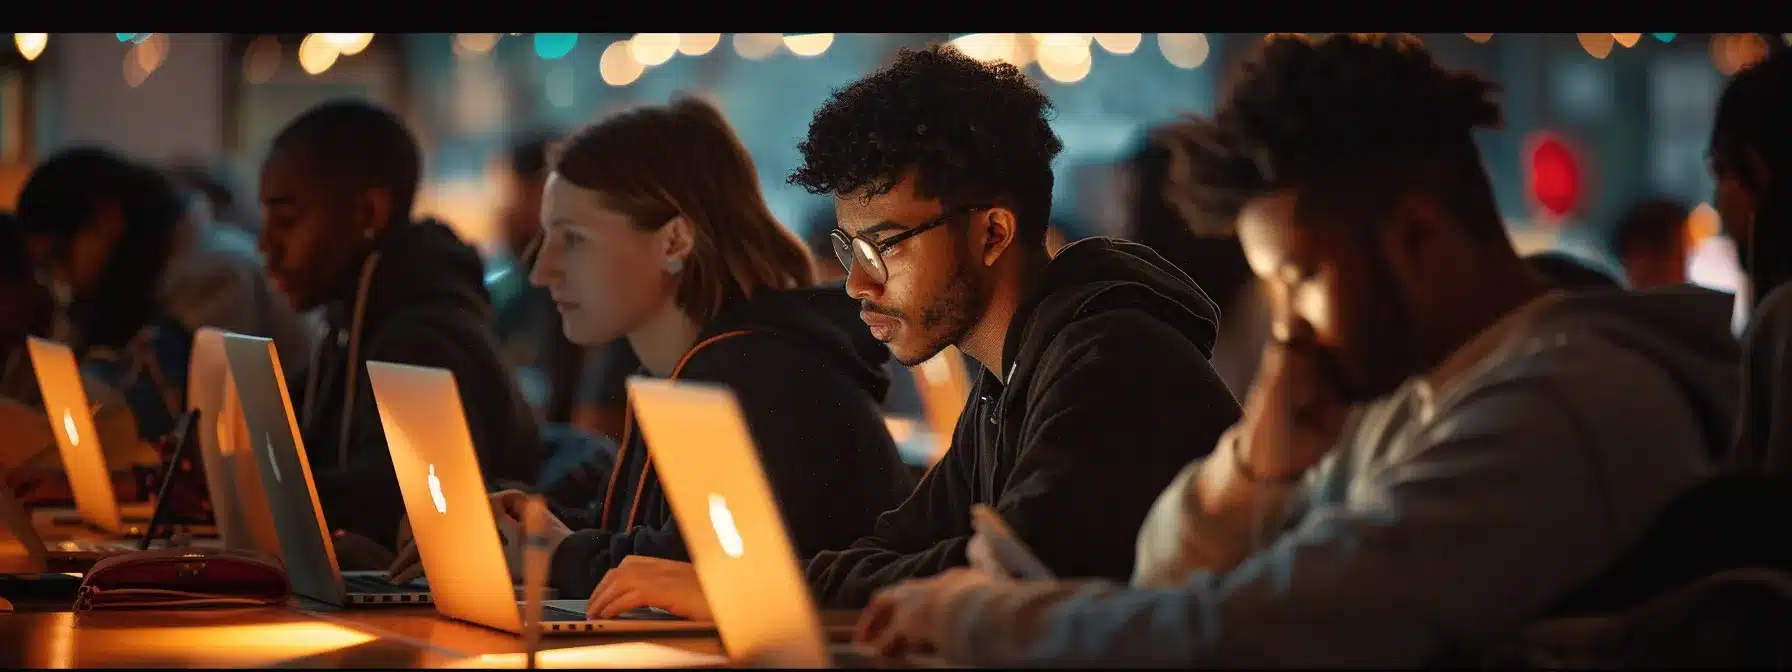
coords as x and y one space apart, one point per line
851 249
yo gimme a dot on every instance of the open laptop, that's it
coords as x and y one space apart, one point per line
733 530
71 421
63 553
451 516
306 546
232 479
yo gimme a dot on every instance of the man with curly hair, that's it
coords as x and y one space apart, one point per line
1095 386
1508 442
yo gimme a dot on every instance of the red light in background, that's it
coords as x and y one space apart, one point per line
1554 175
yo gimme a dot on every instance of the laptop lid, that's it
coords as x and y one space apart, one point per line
20 529
732 528
231 475
71 420
444 494
273 440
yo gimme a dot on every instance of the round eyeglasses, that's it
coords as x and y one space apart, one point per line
861 249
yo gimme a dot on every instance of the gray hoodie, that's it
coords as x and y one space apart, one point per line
1454 511
215 278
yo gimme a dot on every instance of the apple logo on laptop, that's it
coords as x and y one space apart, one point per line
273 460
435 491
68 427
723 520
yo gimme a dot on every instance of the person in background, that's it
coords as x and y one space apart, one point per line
337 189
548 366
1217 264
1751 157
1095 385
655 231
1652 243
215 277
25 310
1563 270
106 227
217 189
1437 447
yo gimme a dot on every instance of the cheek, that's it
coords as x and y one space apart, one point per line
613 281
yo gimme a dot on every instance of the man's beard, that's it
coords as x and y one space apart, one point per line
949 319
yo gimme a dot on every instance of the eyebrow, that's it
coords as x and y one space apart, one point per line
881 227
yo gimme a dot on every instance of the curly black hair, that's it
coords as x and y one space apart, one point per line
1353 120
975 135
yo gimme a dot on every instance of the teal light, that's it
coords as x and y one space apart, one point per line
555 45
1665 37
138 38
125 37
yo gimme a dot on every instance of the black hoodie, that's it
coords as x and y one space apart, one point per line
1109 395
809 379
419 299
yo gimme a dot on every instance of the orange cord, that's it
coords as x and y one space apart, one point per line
628 425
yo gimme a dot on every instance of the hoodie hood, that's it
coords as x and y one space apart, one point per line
1105 273
1684 330
821 320
435 267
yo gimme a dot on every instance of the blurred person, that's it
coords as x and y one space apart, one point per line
655 231
1751 156
214 184
337 188
25 310
1652 243
215 277
1569 272
1095 386
106 227
1507 442
548 366
1217 264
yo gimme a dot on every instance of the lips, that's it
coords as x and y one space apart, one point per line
882 326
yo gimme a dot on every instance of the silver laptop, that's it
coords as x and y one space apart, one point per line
306 546
451 515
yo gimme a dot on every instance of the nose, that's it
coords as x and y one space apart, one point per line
546 265
859 284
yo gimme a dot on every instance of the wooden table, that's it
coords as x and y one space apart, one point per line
303 634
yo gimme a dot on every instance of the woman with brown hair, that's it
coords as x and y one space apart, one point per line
654 230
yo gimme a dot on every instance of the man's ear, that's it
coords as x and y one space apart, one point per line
373 211
1412 235
999 229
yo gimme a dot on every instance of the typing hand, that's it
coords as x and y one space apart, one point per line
511 533
641 581
1293 413
908 618
983 558
406 566
357 553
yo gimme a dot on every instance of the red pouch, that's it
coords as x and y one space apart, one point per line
184 577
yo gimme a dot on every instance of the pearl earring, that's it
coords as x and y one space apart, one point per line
675 266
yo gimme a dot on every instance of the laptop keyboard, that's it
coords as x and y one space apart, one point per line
375 584
560 615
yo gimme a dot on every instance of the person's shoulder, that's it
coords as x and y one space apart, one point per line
1126 332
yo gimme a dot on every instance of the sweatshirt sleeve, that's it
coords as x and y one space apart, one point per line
924 536
363 496
1500 509
582 560
1089 465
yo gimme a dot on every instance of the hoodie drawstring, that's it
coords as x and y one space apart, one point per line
628 424
349 378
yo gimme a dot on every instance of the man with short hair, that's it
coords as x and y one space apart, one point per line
336 191
1095 385
1652 244
1437 449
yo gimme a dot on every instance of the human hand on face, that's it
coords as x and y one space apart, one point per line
1293 414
